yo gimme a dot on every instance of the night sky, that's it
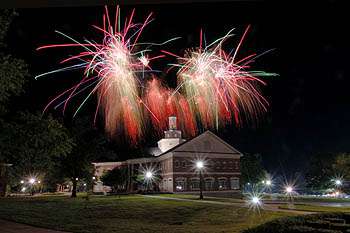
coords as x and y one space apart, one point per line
309 99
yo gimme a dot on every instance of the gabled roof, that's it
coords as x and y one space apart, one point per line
207 134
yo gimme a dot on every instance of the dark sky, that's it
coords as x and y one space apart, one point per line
309 100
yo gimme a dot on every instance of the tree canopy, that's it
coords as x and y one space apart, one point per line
252 170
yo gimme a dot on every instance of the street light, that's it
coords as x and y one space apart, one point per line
289 189
338 182
268 182
200 166
149 175
32 180
256 200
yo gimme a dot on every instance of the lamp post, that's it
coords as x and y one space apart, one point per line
32 183
148 177
200 166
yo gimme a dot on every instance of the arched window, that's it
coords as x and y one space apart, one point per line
234 183
180 184
222 183
209 183
194 184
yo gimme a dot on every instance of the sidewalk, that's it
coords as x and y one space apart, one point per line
270 206
12 227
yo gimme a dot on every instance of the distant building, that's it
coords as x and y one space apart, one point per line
174 162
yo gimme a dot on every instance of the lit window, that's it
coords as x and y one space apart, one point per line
222 184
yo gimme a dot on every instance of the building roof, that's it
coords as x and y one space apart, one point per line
207 133
186 146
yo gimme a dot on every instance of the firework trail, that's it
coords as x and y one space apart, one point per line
113 68
217 87
162 104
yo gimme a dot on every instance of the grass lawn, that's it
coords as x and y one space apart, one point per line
132 213
315 208
207 198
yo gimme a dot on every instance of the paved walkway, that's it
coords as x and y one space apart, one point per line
12 227
270 206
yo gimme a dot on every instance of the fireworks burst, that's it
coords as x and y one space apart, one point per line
213 88
162 104
217 87
113 68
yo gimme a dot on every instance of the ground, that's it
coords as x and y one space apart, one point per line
130 214
152 213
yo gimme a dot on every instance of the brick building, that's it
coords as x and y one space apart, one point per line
174 163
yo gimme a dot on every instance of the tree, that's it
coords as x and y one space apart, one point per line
33 144
320 171
252 170
116 178
13 71
91 145
341 165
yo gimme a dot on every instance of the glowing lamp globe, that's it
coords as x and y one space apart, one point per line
22 181
149 175
338 182
255 200
289 189
199 164
32 180
268 182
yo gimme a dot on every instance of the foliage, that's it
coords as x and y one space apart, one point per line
342 165
6 17
33 143
116 178
91 145
13 71
251 169
319 171
324 167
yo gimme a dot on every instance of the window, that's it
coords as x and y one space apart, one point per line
222 183
209 184
177 164
183 163
194 184
235 183
180 184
